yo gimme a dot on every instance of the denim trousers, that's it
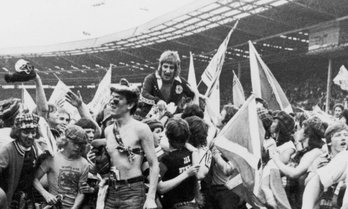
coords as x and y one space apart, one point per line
185 205
126 196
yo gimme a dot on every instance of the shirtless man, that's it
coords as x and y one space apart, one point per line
127 140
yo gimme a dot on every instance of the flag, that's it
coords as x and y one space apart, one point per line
27 100
264 83
238 92
191 74
192 81
341 78
58 98
240 141
212 72
212 107
102 95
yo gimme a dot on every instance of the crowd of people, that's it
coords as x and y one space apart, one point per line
155 149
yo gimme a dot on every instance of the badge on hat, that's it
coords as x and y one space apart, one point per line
178 89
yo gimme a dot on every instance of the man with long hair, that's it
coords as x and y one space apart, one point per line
166 84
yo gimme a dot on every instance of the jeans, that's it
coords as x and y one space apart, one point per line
222 198
186 205
126 196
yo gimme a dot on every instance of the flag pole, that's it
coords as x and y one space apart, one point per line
328 86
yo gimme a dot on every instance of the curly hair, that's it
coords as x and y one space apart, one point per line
199 131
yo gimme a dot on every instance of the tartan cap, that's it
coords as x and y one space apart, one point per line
265 116
26 120
76 134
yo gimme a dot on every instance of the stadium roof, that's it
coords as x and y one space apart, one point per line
279 28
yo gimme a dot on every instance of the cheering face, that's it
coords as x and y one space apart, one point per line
90 133
63 119
120 105
339 141
27 137
168 71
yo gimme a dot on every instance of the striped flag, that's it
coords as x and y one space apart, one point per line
264 83
240 141
238 92
341 78
213 70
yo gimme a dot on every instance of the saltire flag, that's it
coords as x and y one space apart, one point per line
341 78
58 98
238 92
192 80
27 100
102 95
213 70
240 141
264 83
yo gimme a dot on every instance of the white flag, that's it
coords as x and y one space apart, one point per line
192 81
102 95
264 83
212 106
58 98
191 74
238 92
341 78
27 100
212 72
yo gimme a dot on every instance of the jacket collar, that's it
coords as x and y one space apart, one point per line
21 150
160 82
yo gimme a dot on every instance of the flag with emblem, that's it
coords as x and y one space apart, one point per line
240 141
265 85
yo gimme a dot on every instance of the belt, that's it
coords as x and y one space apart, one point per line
126 181
188 203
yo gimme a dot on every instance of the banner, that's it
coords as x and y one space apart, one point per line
102 95
238 92
341 78
213 70
265 85
192 80
58 98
